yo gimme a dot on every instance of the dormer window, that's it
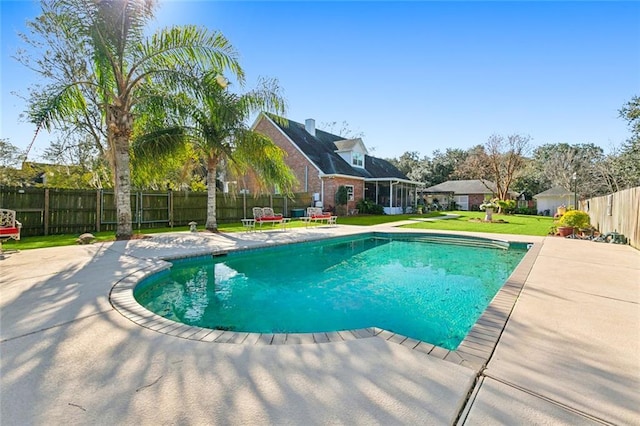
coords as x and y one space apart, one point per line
357 159
352 151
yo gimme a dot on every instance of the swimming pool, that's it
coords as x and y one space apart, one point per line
408 284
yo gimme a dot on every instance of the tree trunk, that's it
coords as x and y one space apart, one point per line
123 189
119 124
212 224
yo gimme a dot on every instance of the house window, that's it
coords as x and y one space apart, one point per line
357 159
349 192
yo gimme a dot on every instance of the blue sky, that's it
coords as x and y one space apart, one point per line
412 76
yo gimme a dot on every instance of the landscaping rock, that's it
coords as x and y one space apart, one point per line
86 238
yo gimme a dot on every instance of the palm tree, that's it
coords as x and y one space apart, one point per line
213 121
122 70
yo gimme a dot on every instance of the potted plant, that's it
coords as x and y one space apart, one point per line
571 220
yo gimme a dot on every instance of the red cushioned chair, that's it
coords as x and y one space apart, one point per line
315 214
266 215
9 226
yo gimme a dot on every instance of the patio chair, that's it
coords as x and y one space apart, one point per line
257 213
315 214
9 227
266 215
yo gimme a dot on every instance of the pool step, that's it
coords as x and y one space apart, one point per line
439 239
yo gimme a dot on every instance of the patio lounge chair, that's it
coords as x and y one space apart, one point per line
263 215
315 214
9 226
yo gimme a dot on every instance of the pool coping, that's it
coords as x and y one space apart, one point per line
473 352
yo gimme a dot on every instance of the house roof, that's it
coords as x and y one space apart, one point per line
322 149
350 144
474 186
556 191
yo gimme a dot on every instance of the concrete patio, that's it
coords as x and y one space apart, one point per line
569 353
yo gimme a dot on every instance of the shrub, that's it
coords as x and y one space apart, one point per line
368 207
363 205
508 206
575 219
341 196
376 209
527 210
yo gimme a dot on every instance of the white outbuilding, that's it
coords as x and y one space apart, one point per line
549 200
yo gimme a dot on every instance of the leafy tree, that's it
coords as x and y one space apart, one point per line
474 166
406 162
430 171
76 163
74 149
445 164
98 55
529 181
630 112
421 171
500 160
181 170
10 155
557 164
627 163
213 121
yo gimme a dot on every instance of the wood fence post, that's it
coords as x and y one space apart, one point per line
170 208
98 216
46 211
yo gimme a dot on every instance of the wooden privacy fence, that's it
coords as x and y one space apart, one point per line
617 212
51 211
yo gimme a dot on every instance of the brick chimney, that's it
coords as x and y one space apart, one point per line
310 126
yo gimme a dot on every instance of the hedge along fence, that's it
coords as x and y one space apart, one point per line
617 212
50 211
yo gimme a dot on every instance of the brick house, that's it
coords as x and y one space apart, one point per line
322 162
467 194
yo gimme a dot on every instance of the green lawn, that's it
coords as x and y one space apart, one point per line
367 220
517 224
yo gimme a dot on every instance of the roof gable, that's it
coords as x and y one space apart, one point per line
351 145
322 149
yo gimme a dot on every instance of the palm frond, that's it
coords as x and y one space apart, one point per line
55 104
267 96
171 47
256 151
159 142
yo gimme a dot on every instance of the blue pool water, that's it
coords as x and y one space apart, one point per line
429 291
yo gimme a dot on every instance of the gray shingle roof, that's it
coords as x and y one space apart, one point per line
463 187
321 150
554 192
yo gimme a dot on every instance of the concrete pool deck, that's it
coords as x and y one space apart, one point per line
569 353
